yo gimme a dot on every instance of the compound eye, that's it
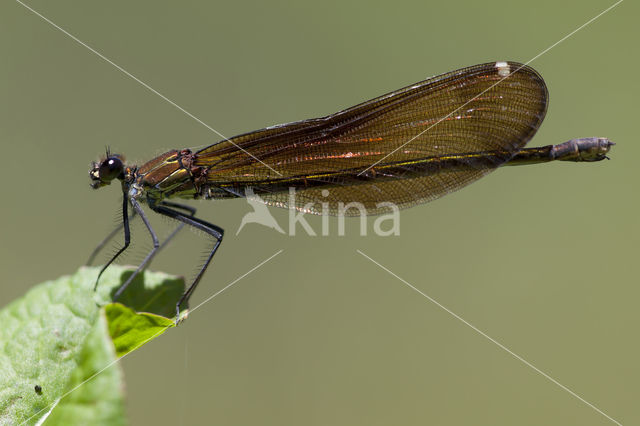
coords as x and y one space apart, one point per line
110 169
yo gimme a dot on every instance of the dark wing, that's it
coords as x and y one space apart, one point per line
364 154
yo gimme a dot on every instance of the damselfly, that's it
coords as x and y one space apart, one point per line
407 147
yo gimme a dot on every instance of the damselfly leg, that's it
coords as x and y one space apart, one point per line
106 240
156 242
215 231
127 240
102 244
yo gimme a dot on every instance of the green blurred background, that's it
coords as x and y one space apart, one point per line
540 258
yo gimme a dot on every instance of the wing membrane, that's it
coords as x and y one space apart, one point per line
473 109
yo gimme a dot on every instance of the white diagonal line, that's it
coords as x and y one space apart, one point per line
573 32
152 337
237 279
145 85
494 85
494 341
93 375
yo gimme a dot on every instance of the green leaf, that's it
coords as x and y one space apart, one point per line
100 401
54 337
152 292
130 330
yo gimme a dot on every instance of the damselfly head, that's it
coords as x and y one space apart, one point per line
108 169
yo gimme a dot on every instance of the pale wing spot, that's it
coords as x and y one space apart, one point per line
503 69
